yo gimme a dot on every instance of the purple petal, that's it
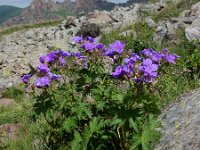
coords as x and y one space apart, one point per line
26 78
42 82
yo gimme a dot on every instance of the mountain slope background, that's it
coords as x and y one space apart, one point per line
42 10
7 12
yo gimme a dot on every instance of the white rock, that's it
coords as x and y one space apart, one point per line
193 31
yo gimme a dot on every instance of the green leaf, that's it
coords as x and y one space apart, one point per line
75 144
95 126
133 125
118 97
69 124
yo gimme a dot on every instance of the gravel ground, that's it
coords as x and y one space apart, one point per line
181 124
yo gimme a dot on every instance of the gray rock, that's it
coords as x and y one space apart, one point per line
180 122
90 29
31 42
195 10
150 8
125 15
165 31
150 22
193 31
185 13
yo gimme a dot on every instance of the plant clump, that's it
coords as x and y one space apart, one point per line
80 104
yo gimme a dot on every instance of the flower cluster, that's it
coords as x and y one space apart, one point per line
44 74
144 68
141 67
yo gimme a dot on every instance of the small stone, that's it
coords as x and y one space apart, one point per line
150 22
6 102
9 132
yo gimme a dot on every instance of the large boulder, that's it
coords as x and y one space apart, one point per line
100 19
126 15
180 121
90 29
164 31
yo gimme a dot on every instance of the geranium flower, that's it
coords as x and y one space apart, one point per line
77 39
62 61
43 68
90 39
88 46
54 76
42 82
26 78
122 70
117 46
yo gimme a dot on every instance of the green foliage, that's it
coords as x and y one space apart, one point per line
139 37
142 139
94 111
14 92
18 113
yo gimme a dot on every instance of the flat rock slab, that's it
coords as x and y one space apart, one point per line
6 102
181 124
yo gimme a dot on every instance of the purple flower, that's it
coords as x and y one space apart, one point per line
147 62
54 76
77 39
62 61
100 46
43 68
77 55
88 46
117 46
149 70
171 58
42 59
157 56
122 70
148 66
135 57
90 39
147 52
150 53
50 57
130 61
118 72
26 78
65 54
109 52
42 82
